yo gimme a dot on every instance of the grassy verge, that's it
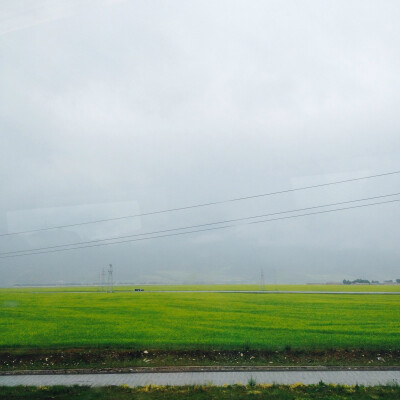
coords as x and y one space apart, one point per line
25 359
249 391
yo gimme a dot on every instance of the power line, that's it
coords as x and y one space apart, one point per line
202 230
202 204
199 225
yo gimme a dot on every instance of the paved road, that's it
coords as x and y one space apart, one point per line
216 378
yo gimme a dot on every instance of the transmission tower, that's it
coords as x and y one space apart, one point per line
110 279
103 280
262 288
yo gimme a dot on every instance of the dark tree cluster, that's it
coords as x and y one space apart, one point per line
365 281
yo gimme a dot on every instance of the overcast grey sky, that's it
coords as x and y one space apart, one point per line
110 108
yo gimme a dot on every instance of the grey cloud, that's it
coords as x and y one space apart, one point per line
175 103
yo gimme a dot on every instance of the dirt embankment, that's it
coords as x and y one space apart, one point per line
17 359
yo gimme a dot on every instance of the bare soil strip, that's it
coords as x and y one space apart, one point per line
108 359
141 370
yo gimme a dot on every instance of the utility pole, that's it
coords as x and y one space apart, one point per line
110 279
103 280
262 288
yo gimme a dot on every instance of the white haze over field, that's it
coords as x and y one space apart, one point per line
114 108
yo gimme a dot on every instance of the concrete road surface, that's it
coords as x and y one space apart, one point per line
367 378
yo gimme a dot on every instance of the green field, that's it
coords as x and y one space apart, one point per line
198 320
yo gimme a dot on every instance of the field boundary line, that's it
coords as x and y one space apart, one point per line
267 292
217 291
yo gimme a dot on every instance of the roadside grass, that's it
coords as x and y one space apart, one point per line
200 392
